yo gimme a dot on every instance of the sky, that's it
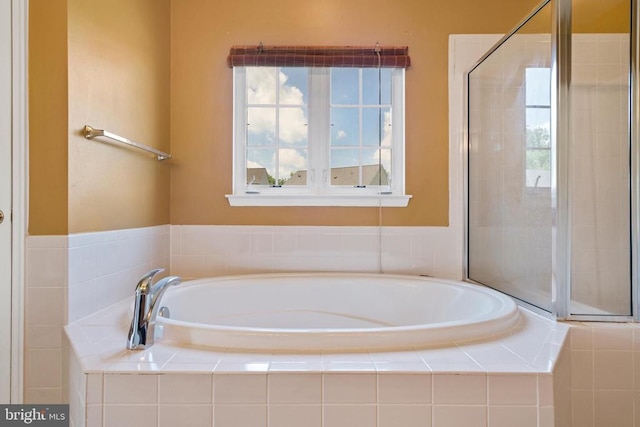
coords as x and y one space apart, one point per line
289 88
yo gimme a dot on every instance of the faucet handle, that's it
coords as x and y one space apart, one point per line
146 281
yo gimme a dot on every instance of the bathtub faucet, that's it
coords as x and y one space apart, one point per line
146 307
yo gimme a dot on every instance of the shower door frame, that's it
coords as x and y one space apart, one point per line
560 182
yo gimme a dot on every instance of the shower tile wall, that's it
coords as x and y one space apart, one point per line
600 164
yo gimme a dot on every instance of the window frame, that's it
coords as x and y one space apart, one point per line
318 192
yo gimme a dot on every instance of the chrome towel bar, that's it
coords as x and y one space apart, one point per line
91 133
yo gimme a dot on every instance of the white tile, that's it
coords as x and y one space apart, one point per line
349 388
239 389
46 306
295 415
611 370
449 360
131 415
185 388
295 388
240 415
82 264
349 415
95 386
44 336
40 395
582 407
545 390
404 388
459 389
512 389
94 415
130 389
612 336
509 416
46 267
185 415
459 416
404 415
43 368
613 408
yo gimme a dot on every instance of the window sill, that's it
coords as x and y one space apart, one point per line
342 200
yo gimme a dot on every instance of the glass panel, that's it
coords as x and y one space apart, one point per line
294 86
345 168
371 81
261 166
261 85
293 126
374 169
376 126
261 123
292 166
510 230
345 126
345 86
600 158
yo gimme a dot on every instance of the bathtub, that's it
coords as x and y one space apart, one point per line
332 312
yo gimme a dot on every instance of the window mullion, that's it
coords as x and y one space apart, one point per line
319 127
240 131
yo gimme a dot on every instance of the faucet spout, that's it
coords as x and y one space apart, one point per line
146 307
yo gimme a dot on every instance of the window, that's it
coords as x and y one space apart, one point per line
318 136
538 127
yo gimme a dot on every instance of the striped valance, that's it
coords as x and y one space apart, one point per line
320 56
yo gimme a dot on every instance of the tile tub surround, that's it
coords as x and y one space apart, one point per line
218 250
517 376
70 277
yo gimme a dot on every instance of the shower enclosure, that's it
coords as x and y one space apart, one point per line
551 161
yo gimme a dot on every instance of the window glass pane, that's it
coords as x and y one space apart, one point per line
292 168
345 86
344 167
261 126
376 126
538 86
374 79
374 170
293 126
260 166
345 126
261 85
294 87
538 127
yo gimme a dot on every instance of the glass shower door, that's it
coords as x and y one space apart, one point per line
509 230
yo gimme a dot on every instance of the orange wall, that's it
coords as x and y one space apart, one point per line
119 81
48 117
201 94
106 64
155 72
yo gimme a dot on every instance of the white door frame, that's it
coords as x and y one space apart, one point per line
20 138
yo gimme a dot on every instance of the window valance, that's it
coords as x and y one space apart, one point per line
320 56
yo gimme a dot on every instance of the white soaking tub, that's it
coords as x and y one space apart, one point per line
332 312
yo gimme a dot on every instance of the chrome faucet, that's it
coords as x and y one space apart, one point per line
146 307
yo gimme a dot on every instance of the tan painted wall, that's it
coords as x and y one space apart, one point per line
119 81
105 64
47 117
201 86
123 56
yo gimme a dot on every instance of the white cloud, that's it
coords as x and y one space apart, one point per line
261 88
341 134
291 161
